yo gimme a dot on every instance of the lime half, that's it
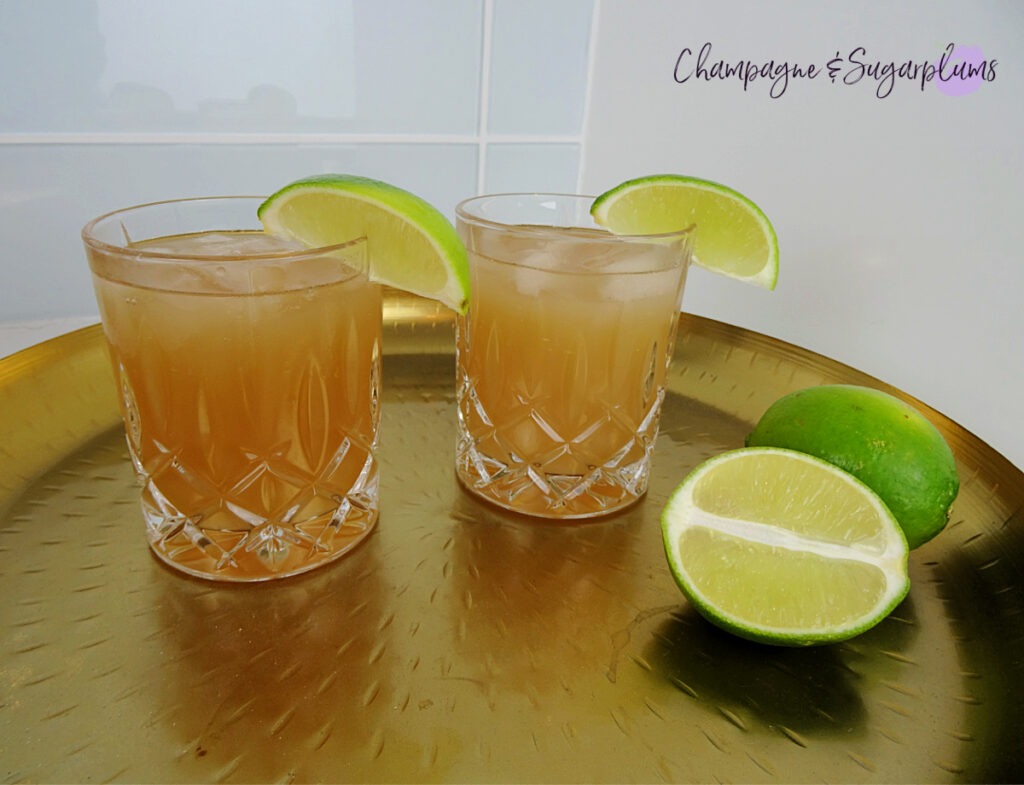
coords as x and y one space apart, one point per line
410 245
734 237
784 548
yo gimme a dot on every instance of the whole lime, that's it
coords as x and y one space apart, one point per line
880 439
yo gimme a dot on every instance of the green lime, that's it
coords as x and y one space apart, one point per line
880 439
733 235
410 245
784 548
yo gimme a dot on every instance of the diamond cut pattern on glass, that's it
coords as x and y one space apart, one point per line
600 466
273 517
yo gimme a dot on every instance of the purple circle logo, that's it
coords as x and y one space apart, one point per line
960 70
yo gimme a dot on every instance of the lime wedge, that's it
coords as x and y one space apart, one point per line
410 245
734 237
784 548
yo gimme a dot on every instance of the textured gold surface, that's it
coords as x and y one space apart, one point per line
460 643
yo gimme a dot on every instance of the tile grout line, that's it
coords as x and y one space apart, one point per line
485 96
595 20
86 138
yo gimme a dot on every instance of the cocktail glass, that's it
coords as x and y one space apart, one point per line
562 355
248 373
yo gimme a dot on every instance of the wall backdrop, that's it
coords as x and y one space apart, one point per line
896 189
896 195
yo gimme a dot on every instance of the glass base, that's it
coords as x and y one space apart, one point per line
261 558
222 540
524 488
254 569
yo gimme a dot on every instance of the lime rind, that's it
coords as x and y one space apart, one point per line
882 440
681 517
396 223
651 205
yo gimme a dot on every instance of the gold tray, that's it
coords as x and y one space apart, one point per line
463 644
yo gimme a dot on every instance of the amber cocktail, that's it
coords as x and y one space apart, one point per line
562 355
248 372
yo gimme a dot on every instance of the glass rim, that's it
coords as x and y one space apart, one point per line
90 239
462 212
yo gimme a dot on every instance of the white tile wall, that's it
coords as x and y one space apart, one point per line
538 64
363 66
106 103
553 168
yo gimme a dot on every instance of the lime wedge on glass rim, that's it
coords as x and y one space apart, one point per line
734 237
784 548
410 244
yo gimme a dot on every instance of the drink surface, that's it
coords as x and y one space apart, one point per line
251 418
562 362
226 244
